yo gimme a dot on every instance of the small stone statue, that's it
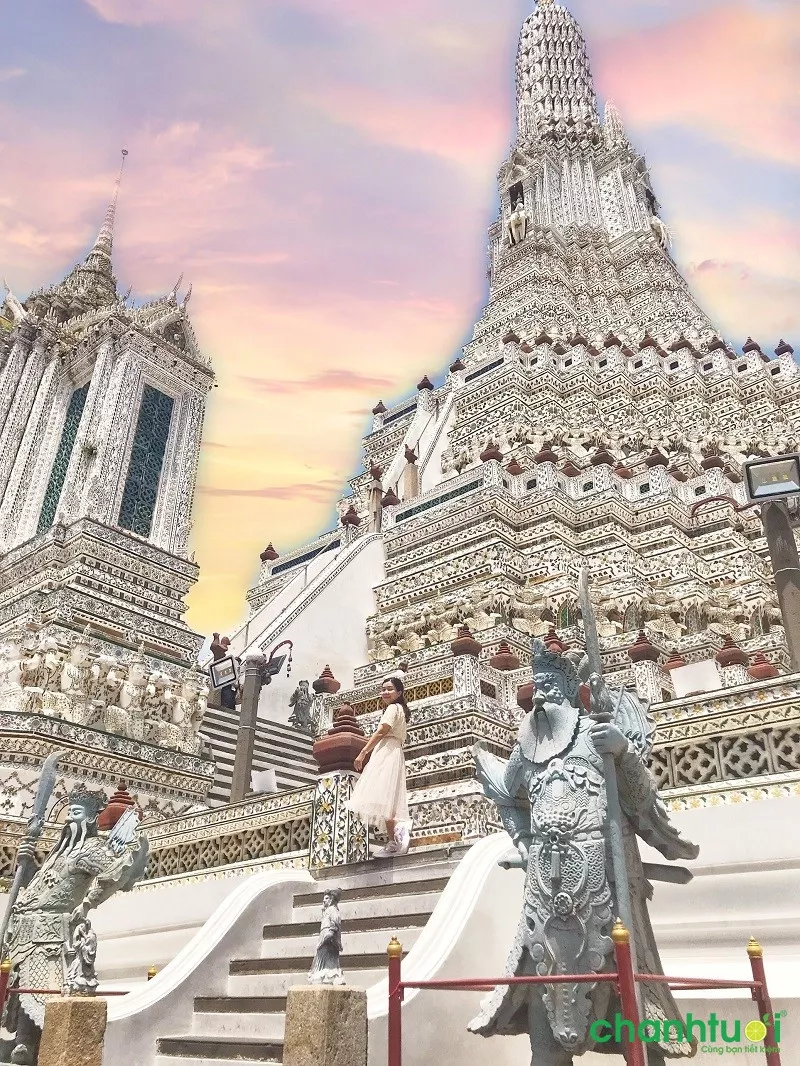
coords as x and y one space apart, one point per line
662 233
81 977
72 702
301 700
518 223
327 967
41 676
11 675
127 716
18 312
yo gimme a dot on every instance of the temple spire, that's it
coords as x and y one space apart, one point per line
555 90
99 258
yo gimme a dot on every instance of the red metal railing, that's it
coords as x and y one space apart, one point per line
624 978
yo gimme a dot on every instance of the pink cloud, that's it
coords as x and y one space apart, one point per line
319 491
435 127
144 12
729 72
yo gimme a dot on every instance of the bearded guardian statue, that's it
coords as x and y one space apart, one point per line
301 717
50 940
551 798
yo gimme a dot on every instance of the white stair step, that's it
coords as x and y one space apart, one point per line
280 983
372 942
171 1060
268 1026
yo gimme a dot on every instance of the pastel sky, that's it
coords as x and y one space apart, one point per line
322 171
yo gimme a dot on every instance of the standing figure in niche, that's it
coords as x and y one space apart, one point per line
379 797
518 223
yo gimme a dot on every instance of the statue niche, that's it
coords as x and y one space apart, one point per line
519 219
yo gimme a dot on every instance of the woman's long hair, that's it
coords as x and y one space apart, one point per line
399 687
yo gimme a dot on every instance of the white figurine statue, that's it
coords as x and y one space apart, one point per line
518 223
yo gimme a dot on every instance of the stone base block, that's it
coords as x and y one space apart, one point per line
74 1028
325 1026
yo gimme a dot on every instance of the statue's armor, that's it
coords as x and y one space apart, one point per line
567 909
569 902
40 920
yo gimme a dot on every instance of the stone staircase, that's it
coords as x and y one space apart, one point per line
380 899
278 747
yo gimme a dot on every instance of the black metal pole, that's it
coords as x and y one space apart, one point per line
254 679
786 569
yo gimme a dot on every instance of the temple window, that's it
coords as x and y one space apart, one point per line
147 458
58 474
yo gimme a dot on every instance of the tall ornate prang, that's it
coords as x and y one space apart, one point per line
579 246
593 406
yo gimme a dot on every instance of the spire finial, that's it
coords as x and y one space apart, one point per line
100 255
173 296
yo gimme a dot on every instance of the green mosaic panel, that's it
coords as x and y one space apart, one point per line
147 458
77 402
437 501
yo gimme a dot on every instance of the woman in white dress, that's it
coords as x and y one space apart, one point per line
379 797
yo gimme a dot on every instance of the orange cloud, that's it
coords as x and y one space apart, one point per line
327 381
318 492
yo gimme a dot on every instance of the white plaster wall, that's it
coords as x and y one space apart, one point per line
165 1005
431 472
330 628
151 924
746 884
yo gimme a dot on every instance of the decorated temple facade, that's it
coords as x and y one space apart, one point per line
101 415
594 407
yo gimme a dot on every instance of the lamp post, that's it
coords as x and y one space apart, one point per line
769 484
258 672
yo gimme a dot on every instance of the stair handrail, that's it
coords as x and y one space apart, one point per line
444 927
205 940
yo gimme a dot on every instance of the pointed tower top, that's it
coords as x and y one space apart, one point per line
173 296
100 256
555 91
613 127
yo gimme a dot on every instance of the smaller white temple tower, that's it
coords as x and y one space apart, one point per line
101 415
